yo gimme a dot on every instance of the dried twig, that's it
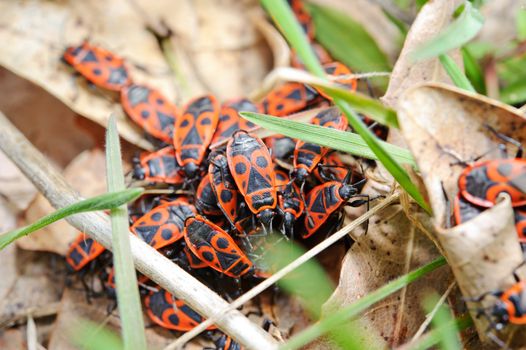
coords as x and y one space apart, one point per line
31 334
53 186
34 312
283 272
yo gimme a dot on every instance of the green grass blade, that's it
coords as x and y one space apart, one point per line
364 104
394 168
401 25
339 140
521 24
309 282
282 14
372 108
102 202
126 279
420 3
458 77
473 70
459 32
432 338
514 93
349 42
448 336
480 49
91 336
348 312
512 71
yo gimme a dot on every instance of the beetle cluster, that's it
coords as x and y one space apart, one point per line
234 195
227 198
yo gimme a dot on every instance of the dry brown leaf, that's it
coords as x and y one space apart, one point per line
217 46
15 188
75 309
431 19
13 339
217 49
33 45
52 127
7 270
438 118
281 51
37 285
499 22
392 247
86 174
222 46
286 312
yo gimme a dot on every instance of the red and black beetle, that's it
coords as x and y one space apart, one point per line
253 171
325 199
482 182
287 99
149 109
307 155
82 251
290 202
99 66
160 166
229 199
194 131
164 224
215 247
229 120
509 308
206 201
171 313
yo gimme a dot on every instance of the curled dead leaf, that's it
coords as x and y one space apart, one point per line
500 26
431 19
442 125
483 253
439 121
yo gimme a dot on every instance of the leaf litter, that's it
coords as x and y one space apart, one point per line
484 251
33 46
393 244
84 174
